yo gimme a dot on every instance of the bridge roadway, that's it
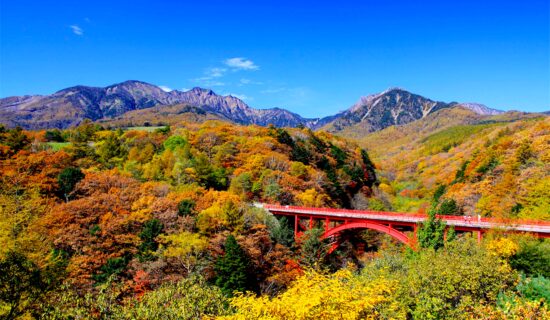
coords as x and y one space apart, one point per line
394 219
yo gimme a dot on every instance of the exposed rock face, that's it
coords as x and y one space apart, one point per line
238 111
378 111
72 105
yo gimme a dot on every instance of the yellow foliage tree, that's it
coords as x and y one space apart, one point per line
185 248
338 296
502 247
312 198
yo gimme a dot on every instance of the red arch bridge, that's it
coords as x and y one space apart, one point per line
401 226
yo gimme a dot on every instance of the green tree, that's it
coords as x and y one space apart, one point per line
533 257
67 180
113 267
449 207
209 176
282 233
164 130
312 248
175 142
439 192
460 173
23 283
54 135
431 232
534 289
151 229
232 268
186 207
111 151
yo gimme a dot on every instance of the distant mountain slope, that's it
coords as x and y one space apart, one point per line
481 109
394 106
70 106
163 115
498 169
378 111
110 104
392 139
395 139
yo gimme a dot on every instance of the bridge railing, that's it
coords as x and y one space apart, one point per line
473 219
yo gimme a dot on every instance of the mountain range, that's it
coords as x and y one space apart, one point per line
136 102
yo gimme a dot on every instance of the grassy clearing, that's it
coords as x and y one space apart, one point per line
56 146
148 129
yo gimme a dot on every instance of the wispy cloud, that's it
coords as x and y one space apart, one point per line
165 88
77 30
216 72
240 63
211 76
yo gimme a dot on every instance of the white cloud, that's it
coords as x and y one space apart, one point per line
240 63
165 88
216 72
77 30
210 76
185 89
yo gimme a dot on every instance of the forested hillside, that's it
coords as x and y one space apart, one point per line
499 167
159 223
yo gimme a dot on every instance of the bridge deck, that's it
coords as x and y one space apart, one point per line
459 222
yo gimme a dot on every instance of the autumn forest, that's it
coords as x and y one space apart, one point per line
159 223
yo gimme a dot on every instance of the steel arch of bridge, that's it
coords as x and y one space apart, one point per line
400 236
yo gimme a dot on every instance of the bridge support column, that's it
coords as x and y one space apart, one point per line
327 221
295 226
310 222
479 236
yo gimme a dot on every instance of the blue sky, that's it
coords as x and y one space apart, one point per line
311 57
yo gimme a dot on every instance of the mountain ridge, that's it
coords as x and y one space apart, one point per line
69 106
